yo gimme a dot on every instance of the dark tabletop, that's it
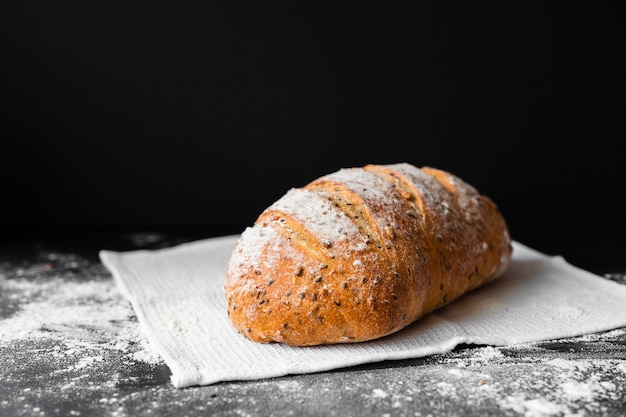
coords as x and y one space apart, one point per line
70 345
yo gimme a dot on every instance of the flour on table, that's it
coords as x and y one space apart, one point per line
79 335
77 323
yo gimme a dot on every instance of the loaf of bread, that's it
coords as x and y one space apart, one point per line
362 253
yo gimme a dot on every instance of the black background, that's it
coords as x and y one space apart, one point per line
186 115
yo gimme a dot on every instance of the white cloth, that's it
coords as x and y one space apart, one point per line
178 296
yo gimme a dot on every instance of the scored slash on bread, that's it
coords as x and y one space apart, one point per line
362 253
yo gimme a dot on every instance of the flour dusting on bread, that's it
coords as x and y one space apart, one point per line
362 253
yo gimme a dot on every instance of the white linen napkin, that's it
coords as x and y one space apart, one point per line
178 296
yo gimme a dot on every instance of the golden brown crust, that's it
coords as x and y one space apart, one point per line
362 253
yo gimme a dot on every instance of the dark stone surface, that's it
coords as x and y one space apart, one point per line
71 345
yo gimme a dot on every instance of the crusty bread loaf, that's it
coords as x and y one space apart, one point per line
361 253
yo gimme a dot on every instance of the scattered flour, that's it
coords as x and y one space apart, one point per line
71 328
84 317
379 393
64 324
147 354
89 310
577 388
548 383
